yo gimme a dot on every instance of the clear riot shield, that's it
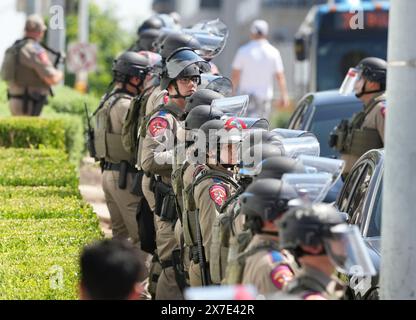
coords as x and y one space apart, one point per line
232 106
310 187
218 84
212 36
307 145
312 164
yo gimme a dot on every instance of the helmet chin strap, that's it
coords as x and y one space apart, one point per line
362 93
178 94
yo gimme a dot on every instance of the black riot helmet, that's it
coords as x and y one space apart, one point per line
308 225
321 225
201 96
374 69
212 125
265 200
182 63
200 115
130 64
147 38
251 158
276 167
261 136
175 41
153 22
369 69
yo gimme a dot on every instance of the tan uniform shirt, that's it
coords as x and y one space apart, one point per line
157 152
34 59
209 196
374 120
268 270
157 159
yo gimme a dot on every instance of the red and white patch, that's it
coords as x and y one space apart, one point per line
43 57
235 123
218 194
157 126
281 275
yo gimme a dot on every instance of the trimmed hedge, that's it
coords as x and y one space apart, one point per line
34 252
48 207
29 132
32 167
68 100
7 192
58 131
74 136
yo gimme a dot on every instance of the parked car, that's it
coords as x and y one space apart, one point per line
361 199
321 112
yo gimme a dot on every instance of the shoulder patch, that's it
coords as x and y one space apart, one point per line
218 194
43 57
157 126
313 296
281 275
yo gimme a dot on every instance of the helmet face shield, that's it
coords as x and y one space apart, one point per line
310 187
312 164
181 59
289 133
211 35
351 81
347 251
232 106
295 147
219 84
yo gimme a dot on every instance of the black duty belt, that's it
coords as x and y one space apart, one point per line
116 167
25 96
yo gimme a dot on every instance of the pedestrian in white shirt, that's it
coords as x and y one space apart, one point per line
255 66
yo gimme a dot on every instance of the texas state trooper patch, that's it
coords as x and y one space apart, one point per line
157 126
281 275
218 194
41 54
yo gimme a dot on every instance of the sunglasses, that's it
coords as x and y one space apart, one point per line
186 80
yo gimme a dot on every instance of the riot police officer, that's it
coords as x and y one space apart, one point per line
130 70
28 71
322 242
180 78
366 129
212 184
262 263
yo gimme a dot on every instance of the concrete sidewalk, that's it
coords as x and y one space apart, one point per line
92 192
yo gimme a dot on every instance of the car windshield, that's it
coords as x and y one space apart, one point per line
336 56
374 229
326 119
